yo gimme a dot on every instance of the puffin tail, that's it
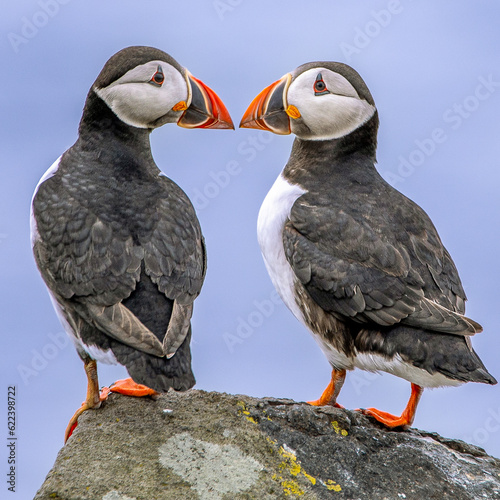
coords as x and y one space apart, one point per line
480 374
450 355
464 365
160 374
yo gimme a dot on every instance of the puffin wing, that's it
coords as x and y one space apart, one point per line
174 255
175 260
90 267
349 269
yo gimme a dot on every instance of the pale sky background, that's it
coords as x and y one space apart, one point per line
433 69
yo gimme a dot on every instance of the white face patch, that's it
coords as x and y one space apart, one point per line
139 102
329 115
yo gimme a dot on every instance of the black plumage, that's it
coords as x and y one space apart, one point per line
105 213
117 242
372 258
360 264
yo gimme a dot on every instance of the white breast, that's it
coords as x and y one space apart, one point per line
273 214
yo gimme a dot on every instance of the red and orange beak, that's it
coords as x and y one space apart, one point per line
268 111
206 109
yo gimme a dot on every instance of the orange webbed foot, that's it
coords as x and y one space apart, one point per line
389 420
393 421
128 387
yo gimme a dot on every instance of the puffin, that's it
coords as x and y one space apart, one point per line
360 265
118 243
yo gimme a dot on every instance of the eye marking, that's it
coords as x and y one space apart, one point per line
320 86
158 78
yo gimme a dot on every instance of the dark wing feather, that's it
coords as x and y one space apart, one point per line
351 269
175 255
91 264
78 254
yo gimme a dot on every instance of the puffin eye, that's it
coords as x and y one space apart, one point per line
158 78
320 86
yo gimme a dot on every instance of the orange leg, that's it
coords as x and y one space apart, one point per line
129 388
329 396
93 397
406 417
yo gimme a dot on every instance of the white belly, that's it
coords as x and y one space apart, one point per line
396 366
273 214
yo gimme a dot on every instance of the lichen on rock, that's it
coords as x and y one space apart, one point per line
212 469
211 446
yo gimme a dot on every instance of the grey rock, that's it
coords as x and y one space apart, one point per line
211 446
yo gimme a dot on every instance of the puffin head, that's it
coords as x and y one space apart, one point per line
317 101
147 88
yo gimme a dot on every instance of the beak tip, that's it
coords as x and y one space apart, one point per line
251 123
222 120
208 112
224 125
266 111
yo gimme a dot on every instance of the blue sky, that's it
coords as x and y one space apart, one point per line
433 69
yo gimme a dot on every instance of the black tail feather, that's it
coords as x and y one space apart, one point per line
434 352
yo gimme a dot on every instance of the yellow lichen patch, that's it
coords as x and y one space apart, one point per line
290 462
332 485
291 465
337 429
243 411
292 488
287 453
294 469
307 476
267 416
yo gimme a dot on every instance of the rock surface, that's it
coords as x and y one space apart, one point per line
211 446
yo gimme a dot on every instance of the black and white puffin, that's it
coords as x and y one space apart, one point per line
358 263
118 243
